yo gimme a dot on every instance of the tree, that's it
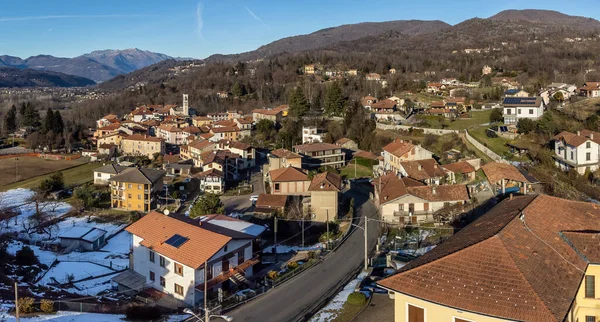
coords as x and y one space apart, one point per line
525 126
88 196
53 183
334 100
496 115
265 130
238 89
59 125
10 120
207 205
297 102
49 122
31 116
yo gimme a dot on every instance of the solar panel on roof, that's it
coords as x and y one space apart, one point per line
504 129
176 240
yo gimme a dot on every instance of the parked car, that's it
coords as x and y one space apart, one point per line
254 199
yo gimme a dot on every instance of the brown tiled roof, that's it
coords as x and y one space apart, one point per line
410 182
209 173
326 181
343 141
202 118
225 123
201 144
365 155
440 193
577 139
423 169
191 129
399 148
110 117
169 128
391 187
437 104
282 107
110 127
244 120
459 167
140 137
315 147
235 144
384 104
288 174
495 171
523 260
223 129
170 158
217 156
287 154
266 111
155 229
206 136
267 201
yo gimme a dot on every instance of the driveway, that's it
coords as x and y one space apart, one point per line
381 309
242 203
289 301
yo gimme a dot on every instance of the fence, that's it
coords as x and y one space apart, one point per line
484 149
408 127
107 308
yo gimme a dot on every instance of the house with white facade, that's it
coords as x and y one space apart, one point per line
579 151
401 150
517 108
211 181
310 134
171 134
103 174
171 256
246 153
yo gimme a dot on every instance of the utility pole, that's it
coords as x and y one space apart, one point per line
302 230
366 241
355 168
275 239
206 314
327 246
16 301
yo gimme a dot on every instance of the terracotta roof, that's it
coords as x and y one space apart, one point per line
209 173
284 153
110 127
288 174
315 147
399 148
459 167
155 229
140 137
218 156
365 155
225 123
271 201
496 171
202 118
384 104
235 144
437 104
110 117
410 182
326 181
139 175
266 111
170 158
223 129
201 144
282 107
391 187
169 128
206 136
343 141
423 169
577 139
244 120
191 129
523 260
440 193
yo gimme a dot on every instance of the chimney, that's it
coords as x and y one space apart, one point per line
592 136
434 190
510 196
578 133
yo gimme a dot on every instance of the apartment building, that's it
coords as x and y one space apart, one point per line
246 152
399 151
139 144
317 155
211 181
283 158
136 189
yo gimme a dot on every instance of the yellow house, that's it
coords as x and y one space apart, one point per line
138 144
324 195
401 150
283 158
201 120
530 258
309 69
135 189
114 138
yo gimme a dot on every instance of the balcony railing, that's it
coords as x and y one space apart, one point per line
228 274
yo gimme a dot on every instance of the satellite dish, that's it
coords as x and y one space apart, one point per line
167 212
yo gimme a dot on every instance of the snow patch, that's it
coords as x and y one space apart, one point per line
330 311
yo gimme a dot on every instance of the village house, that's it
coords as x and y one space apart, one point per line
270 204
211 181
316 155
486 70
216 117
138 145
103 174
434 88
506 178
310 134
135 189
352 72
171 134
373 77
112 139
244 124
141 113
460 172
521 261
579 151
170 256
405 201
201 120
517 108
246 152
347 143
309 69
180 168
324 196
282 158
590 89
427 171
289 181
107 120
272 115
382 109
400 150
223 94
222 160
225 133
515 93
195 149
107 130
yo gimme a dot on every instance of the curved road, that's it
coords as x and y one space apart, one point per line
288 301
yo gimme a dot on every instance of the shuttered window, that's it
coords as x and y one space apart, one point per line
416 314
590 286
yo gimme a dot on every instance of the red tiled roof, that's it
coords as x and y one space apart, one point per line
423 169
140 137
267 201
284 153
365 155
495 171
577 139
384 104
288 174
223 129
399 148
266 111
326 181
315 147
459 167
440 193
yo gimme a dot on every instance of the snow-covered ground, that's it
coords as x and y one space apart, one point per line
18 199
80 270
331 310
92 287
418 252
63 316
281 249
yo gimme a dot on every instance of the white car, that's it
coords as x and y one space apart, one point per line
254 198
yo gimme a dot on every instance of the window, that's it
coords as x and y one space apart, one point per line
162 281
519 111
151 256
588 145
590 318
530 111
99 175
152 277
129 195
139 187
277 187
139 197
588 156
162 261
241 258
178 289
178 269
415 314
572 158
129 186
225 248
590 286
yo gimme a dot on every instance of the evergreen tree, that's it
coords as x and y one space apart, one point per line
334 100
238 89
10 120
31 116
59 125
298 104
49 121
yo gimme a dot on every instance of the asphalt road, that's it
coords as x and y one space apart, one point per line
242 203
289 300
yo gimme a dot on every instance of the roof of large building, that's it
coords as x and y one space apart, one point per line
141 137
496 171
326 181
288 174
265 111
398 147
579 138
268 201
230 226
224 129
523 260
423 169
111 168
156 229
393 187
384 104
201 144
285 153
139 175
314 147
522 101
459 167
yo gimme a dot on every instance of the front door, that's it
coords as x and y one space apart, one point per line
225 265
416 314
411 208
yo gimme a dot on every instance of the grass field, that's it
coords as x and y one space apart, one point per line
498 144
361 171
477 117
78 174
583 109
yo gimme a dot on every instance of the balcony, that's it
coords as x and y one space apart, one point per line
228 274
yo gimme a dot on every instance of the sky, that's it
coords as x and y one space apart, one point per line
198 29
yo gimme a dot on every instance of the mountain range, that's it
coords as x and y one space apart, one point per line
15 77
98 65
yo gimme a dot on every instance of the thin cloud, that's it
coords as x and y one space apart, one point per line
257 18
199 20
28 18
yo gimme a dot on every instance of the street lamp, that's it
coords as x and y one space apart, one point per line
366 266
224 317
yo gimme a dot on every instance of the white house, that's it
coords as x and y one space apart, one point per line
103 174
171 134
170 256
517 108
211 181
579 151
246 152
310 134
399 151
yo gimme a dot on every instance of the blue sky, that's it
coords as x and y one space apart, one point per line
68 28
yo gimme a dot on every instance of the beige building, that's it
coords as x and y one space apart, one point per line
324 196
400 150
139 144
521 261
506 178
273 115
114 139
282 158
309 69
289 181
317 155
